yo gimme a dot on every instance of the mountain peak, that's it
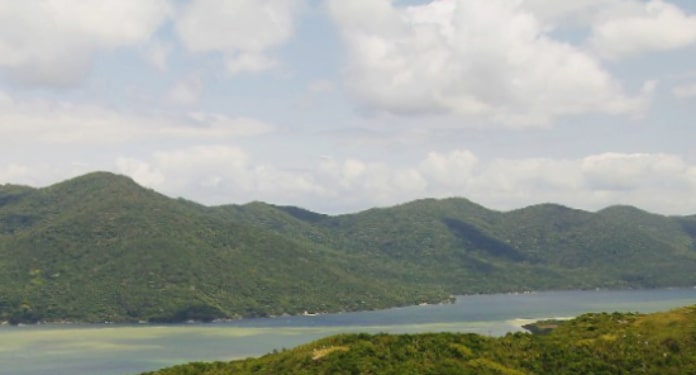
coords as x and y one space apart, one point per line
95 180
620 208
99 186
102 176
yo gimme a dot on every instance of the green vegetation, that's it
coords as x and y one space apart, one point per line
662 343
101 248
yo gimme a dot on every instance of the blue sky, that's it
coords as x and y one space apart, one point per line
338 106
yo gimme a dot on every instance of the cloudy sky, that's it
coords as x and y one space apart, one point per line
338 106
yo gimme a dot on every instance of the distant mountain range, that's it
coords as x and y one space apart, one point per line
101 248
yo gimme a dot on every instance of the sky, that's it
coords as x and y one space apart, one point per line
338 106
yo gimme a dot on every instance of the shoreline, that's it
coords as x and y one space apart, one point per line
453 299
521 322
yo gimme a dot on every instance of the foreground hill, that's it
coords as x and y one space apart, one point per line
659 344
101 248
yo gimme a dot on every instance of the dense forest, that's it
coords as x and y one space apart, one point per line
100 248
618 343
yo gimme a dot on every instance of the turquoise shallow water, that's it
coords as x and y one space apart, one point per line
123 349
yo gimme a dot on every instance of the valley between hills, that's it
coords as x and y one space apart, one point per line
100 247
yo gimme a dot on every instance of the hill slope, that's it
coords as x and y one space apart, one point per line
659 344
99 247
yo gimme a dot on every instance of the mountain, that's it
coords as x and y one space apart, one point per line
658 344
99 247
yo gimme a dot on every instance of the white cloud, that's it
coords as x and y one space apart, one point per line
685 91
46 42
621 172
141 172
217 174
656 26
184 171
530 177
222 174
352 182
449 170
659 182
53 122
242 30
454 57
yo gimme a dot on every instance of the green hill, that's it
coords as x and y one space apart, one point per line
101 248
659 344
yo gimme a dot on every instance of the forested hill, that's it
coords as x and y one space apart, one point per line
656 344
101 248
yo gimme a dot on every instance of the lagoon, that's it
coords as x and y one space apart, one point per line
131 349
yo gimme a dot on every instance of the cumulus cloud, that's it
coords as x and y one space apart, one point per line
660 182
223 173
619 28
487 60
353 181
449 171
216 174
182 170
655 26
52 42
620 172
242 30
140 171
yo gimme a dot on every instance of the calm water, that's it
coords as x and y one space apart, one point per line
106 350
